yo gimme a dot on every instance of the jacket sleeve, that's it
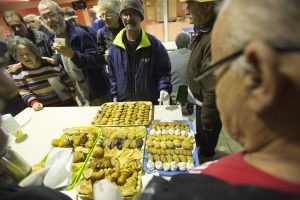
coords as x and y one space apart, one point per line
111 75
100 42
163 68
85 53
209 114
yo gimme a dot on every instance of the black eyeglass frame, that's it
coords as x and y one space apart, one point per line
210 69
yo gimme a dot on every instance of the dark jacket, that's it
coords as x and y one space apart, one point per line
90 30
204 90
86 58
152 70
48 33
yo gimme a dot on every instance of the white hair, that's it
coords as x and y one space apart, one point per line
53 4
274 21
31 16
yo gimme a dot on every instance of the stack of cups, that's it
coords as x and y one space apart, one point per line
11 126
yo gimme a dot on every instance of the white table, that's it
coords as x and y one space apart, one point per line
47 124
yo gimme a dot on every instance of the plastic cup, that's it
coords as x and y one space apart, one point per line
11 126
60 41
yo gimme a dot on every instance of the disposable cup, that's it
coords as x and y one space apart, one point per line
11 126
60 41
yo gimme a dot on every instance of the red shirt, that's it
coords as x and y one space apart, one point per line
233 169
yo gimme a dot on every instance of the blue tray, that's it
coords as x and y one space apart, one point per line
171 173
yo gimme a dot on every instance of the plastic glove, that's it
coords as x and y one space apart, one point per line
115 100
35 178
164 95
104 189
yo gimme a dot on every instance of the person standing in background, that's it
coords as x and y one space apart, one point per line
179 60
79 55
208 123
18 26
109 12
96 21
138 64
34 22
71 17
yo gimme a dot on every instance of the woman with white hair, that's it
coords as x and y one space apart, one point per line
109 11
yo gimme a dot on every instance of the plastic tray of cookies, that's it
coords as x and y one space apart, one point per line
136 113
82 140
170 148
118 157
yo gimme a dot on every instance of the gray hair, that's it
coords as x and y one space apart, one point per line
54 5
111 5
15 41
268 20
32 16
182 40
272 21
10 13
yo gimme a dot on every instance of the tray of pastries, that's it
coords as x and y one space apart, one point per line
170 148
137 113
82 140
118 157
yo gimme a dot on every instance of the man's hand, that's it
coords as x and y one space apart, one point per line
63 50
37 106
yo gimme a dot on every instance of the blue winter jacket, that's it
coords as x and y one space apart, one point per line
152 70
86 58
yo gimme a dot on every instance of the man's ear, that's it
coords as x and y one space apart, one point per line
264 87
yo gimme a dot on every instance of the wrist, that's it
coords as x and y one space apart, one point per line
33 102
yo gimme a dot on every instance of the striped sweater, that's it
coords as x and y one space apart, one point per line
35 85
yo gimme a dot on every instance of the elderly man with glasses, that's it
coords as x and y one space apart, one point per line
79 55
208 124
139 66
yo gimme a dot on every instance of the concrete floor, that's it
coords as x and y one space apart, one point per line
226 145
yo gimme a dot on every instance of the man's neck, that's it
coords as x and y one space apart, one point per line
132 35
279 158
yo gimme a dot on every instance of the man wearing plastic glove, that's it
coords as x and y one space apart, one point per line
208 124
138 64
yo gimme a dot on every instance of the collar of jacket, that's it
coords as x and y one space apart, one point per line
38 35
71 32
145 42
208 26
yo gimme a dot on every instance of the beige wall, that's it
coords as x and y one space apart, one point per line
158 29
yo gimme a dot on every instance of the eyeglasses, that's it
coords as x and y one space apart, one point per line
50 15
107 15
210 69
127 13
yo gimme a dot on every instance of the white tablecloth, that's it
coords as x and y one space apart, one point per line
47 124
